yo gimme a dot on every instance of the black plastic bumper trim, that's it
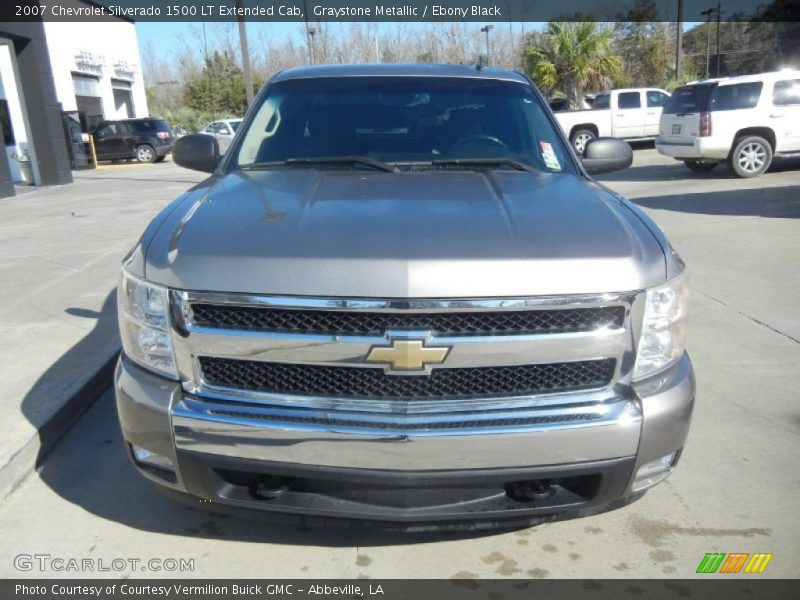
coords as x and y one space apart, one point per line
349 493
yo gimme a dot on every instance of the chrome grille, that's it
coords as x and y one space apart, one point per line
359 382
509 358
324 322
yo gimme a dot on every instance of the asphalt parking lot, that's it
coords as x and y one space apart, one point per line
734 491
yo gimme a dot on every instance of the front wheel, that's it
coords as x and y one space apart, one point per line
580 138
700 166
145 153
751 156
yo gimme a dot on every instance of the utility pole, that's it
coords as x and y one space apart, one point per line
377 50
719 13
707 14
486 29
245 49
211 109
308 35
679 41
312 32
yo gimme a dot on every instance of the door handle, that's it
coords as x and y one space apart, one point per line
650 114
620 114
776 116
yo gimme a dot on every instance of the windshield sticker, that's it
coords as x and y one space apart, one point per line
549 157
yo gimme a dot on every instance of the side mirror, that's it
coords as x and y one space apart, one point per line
606 154
197 152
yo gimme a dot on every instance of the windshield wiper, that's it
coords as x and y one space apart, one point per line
487 162
325 160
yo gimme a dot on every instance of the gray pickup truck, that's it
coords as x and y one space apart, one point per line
400 297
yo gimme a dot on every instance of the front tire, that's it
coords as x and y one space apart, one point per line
145 153
751 156
700 166
580 138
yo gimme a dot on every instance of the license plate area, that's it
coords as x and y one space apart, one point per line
676 130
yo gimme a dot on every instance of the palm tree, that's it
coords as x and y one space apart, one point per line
572 57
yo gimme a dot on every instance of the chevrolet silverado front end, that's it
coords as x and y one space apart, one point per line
400 298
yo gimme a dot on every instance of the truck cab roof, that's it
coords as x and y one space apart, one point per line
400 70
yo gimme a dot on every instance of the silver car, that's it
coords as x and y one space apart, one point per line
400 297
223 131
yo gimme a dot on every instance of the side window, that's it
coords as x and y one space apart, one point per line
786 92
737 96
601 102
629 100
106 131
656 99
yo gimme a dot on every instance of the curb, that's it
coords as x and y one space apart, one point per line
30 456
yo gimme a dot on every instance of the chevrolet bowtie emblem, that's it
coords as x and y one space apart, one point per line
408 355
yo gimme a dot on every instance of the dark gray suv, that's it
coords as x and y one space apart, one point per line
146 139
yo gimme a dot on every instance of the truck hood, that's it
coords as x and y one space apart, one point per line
425 234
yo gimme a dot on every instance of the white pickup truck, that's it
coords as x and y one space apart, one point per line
626 114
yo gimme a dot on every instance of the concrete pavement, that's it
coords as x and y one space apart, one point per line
61 249
734 490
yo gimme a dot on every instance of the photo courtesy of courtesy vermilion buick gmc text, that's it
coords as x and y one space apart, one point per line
400 297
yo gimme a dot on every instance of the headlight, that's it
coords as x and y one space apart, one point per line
664 329
143 310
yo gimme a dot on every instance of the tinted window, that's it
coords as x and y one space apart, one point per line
151 125
235 125
688 99
601 102
629 100
786 92
656 99
735 97
402 120
109 130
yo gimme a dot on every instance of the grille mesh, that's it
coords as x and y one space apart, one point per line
357 382
411 425
376 323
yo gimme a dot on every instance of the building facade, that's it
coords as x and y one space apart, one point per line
34 148
57 80
96 70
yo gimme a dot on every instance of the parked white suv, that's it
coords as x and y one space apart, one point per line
743 120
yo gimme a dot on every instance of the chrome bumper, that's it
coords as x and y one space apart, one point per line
651 422
158 415
561 435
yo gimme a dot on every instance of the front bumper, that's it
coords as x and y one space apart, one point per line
411 477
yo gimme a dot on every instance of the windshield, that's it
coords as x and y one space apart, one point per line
408 122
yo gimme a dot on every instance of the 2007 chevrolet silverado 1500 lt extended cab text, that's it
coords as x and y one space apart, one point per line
399 297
